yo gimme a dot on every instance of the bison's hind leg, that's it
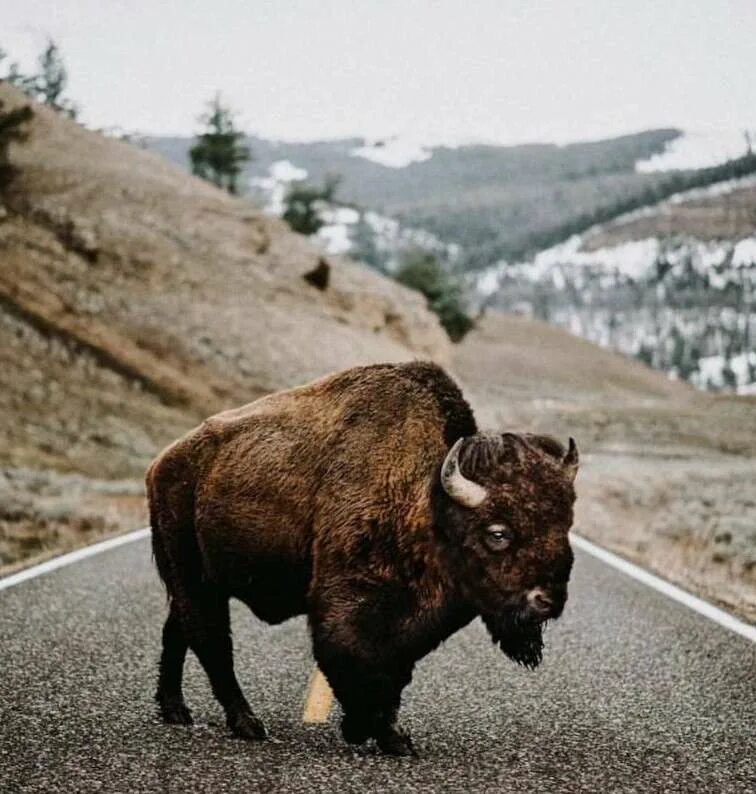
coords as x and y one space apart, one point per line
199 615
169 695
206 623
199 619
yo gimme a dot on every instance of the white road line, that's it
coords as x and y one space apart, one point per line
72 556
671 591
704 608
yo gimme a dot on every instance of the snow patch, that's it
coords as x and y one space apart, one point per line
744 253
276 184
284 171
336 238
393 240
723 188
488 282
395 152
697 150
339 231
340 215
708 345
336 233
712 369
631 258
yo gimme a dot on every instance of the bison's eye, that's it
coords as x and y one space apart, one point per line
498 537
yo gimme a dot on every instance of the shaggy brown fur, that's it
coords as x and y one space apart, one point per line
327 500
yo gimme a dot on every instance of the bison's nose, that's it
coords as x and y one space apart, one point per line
539 600
546 603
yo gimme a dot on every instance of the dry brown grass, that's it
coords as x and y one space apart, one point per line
43 513
135 300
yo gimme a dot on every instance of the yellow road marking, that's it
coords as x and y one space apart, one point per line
318 699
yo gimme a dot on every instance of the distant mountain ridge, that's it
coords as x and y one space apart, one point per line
493 201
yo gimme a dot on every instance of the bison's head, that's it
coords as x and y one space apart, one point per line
507 510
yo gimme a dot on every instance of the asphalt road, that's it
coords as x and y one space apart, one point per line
636 693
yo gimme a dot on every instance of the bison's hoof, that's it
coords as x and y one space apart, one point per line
175 712
354 731
245 725
396 742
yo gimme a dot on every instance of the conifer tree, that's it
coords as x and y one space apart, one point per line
219 153
52 78
48 84
304 203
422 271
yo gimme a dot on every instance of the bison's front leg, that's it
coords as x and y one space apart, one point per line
369 693
370 699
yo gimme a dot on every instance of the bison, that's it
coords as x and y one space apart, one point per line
368 501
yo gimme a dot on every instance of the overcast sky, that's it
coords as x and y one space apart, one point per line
498 70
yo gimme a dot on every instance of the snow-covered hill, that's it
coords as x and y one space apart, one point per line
699 149
648 285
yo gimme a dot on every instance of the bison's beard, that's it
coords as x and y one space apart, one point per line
520 638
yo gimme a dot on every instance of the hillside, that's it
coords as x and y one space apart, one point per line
726 211
487 203
134 300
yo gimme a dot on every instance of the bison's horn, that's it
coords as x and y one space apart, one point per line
459 488
571 460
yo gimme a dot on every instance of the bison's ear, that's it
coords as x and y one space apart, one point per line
571 460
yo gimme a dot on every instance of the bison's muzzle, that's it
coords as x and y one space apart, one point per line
546 603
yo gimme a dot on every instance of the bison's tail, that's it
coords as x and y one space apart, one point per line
170 494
